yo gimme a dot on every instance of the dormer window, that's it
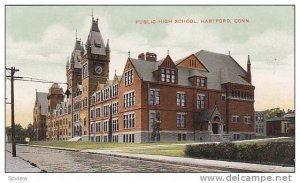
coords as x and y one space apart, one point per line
168 75
97 44
201 82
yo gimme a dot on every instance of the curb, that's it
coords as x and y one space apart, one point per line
31 164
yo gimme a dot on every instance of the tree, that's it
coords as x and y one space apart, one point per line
29 131
155 127
270 113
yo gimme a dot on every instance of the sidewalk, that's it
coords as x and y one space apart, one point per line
199 162
18 165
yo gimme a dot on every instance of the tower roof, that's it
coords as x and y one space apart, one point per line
75 56
95 41
41 100
248 62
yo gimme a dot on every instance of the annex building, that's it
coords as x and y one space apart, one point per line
204 96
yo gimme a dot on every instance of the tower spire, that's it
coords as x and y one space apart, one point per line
76 34
92 15
249 77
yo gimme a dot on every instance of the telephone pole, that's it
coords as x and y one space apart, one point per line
13 70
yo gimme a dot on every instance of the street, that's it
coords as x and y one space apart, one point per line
52 160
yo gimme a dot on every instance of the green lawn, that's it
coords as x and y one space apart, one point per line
96 145
177 151
162 148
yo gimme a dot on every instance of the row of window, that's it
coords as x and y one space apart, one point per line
115 126
106 111
154 99
106 94
236 119
242 95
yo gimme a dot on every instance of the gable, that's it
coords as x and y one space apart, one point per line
168 63
192 62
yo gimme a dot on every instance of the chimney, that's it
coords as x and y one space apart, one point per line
152 57
141 56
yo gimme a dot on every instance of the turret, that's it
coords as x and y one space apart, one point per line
67 64
249 70
107 50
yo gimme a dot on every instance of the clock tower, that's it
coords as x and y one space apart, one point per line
95 69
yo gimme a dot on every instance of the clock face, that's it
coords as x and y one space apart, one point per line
98 69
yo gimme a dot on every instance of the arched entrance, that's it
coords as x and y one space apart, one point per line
215 124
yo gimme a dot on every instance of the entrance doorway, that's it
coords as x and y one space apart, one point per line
215 128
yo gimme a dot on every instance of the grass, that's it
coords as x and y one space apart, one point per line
96 145
177 151
161 148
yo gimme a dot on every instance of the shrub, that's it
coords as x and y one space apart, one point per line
273 152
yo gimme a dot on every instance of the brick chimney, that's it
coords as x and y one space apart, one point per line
141 56
152 57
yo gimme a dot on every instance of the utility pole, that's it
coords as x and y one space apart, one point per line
13 70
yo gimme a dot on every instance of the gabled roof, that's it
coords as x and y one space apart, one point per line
95 40
206 114
41 100
221 69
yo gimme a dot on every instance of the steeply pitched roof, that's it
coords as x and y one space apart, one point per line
95 40
41 99
205 115
75 56
222 69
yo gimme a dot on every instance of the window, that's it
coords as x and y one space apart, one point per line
154 98
98 97
200 101
128 77
181 120
105 126
201 82
168 75
129 99
115 90
92 128
106 110
115 138
115 125
98 112
173 76
236 136
163 74
98 126
223 97
181 99
106 93
235 119
181 137
128 138
129 120
92 114
115 108
247 119
84 70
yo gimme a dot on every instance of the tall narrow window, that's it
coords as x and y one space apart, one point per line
154 98
181 99
128 77
163 74
200 101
